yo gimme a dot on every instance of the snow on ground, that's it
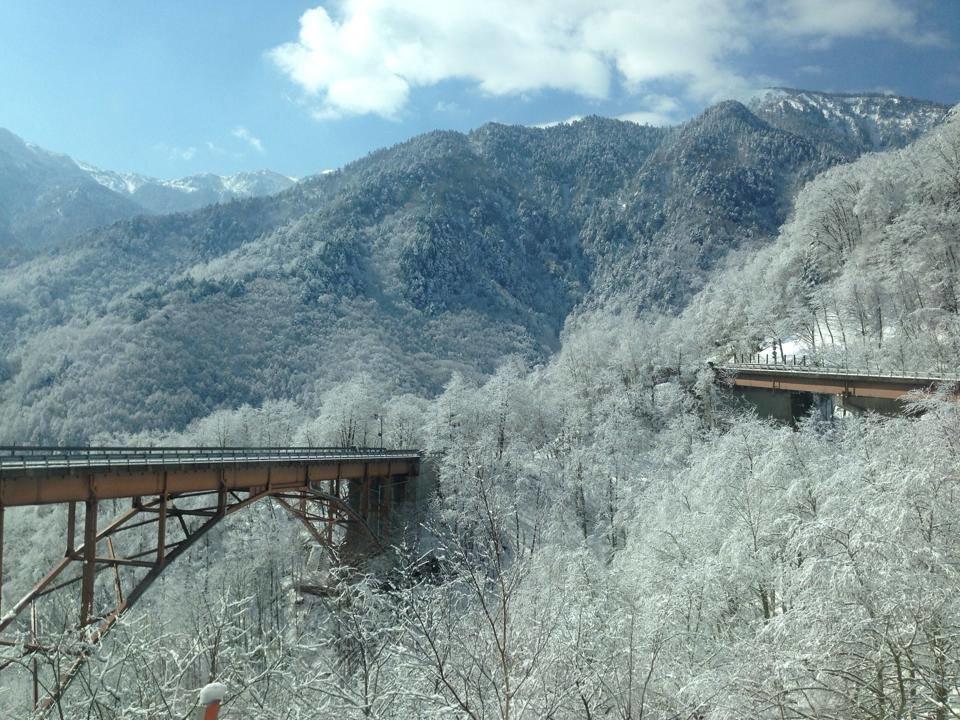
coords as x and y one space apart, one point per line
791 348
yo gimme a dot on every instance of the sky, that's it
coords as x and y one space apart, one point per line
180 87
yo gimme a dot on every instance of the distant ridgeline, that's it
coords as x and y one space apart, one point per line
47 198
443 254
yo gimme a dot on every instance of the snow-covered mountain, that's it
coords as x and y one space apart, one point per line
47 197
442 254
852 123
191 192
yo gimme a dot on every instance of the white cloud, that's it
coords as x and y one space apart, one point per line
642 117
826 20
176 153
445 106
659 110
366 56
242 133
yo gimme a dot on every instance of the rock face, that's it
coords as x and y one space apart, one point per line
442 254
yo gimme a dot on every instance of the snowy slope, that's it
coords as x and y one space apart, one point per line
853 123
46 198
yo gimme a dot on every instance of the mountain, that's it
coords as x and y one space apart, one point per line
443 254
721 180
865 274
191 192
849 123
47 198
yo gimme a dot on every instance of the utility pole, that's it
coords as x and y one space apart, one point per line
378 416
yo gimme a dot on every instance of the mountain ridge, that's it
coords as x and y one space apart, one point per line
47 198
852 123
190 192
440 255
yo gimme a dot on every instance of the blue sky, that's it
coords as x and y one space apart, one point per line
178 87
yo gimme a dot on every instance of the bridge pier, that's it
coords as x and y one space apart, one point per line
863 405
824 406
378 501
785 406
89 561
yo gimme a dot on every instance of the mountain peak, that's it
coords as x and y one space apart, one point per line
190 192
725 111
47 198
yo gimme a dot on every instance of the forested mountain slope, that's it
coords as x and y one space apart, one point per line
447 252
722 180
866 273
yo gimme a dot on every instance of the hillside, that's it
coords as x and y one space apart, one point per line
849 123
46 198
603 535
865 274
446 253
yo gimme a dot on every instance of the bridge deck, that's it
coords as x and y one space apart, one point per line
831 381
35 475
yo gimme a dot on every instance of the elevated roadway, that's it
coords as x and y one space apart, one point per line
38 475
831 381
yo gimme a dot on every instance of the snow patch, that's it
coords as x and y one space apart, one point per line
214 692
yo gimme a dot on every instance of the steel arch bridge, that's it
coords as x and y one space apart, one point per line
342 496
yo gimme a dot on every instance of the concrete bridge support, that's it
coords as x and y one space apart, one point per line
786 406
881 406
383 503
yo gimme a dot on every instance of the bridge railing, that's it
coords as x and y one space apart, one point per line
833 370
25 457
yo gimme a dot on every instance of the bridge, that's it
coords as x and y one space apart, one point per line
173 497
801 385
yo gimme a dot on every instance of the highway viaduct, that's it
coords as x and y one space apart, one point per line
787 392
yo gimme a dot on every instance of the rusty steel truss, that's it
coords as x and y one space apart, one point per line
342 497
